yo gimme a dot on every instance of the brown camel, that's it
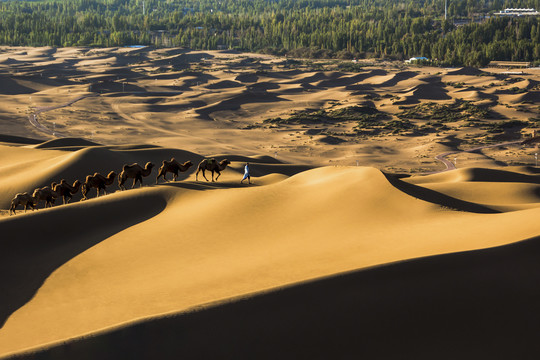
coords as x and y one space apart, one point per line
24 199
66 191
174 167
47 194
213 166
134 171
97 181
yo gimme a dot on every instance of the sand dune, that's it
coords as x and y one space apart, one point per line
247 78
346 245
65 142
135 77
11 87
18 140
477 174
393 79
532 97
236 102
186 265
475 95
224 84
385 312
467 70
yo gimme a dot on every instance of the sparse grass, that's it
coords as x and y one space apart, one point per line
459 110
361 114
501 126
517 90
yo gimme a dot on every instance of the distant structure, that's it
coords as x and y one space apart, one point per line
509 64
416 59
445 8
518 12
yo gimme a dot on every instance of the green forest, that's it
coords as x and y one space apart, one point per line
391 29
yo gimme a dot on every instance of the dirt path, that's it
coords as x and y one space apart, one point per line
33 118
451 166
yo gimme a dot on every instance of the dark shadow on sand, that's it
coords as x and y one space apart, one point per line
473 305
436 197
33 246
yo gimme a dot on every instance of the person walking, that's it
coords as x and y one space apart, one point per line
246 174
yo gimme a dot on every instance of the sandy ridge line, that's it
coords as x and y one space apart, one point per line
33 118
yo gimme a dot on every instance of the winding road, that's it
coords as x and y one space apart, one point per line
33 118
451 166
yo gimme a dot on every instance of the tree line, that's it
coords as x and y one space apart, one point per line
336 28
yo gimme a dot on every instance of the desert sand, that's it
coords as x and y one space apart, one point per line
347 244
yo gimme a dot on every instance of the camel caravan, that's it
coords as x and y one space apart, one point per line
64 190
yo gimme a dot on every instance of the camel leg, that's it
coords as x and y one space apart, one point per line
218 175
197 175
121 181
84 191
203 174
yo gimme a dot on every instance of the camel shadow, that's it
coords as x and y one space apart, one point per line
31 248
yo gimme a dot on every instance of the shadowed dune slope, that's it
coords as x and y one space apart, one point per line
463 305
39 242
65 142
498 190
216 242
18 139
476 174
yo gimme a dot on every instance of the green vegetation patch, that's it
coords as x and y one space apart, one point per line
501 126
362 114
459 110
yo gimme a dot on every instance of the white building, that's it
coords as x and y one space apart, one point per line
415 59
518 12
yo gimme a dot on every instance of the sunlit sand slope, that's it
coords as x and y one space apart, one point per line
87 268
473 305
